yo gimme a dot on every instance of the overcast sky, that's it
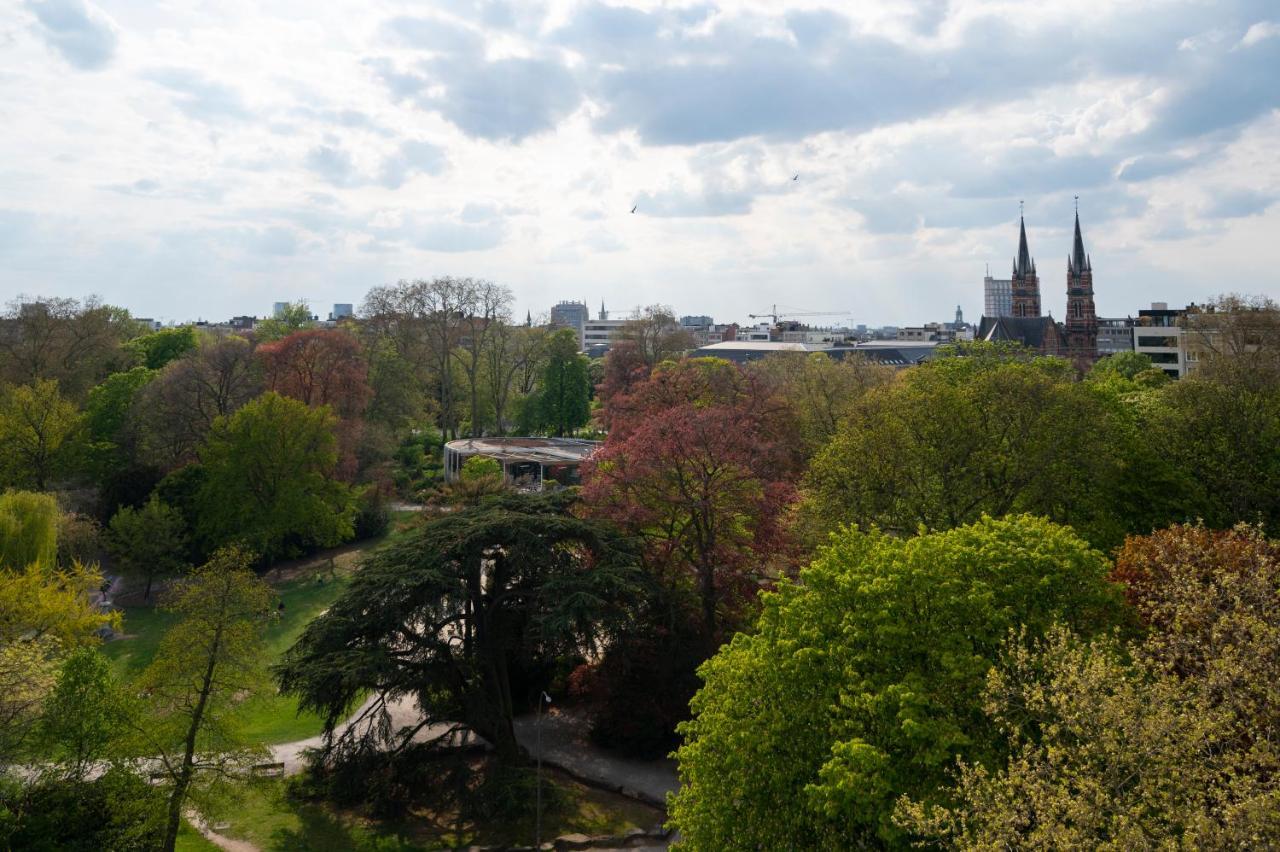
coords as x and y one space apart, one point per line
190 159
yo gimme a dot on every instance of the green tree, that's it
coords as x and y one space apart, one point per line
38 433
564 398
160 347
862 681
1219 432
269 478
446 614
962 436
295 317
821 390
111 428
84 718
208 664
149 542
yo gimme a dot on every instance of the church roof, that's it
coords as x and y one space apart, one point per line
1029 331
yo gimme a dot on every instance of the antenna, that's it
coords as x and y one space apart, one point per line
1077 203
1019 207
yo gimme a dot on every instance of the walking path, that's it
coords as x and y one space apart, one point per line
566 745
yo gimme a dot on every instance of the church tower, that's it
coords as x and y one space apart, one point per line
1026 286
1082 323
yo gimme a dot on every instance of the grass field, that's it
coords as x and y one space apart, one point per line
313 588
271 820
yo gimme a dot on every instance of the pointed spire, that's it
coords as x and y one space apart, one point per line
1079 261
1023 265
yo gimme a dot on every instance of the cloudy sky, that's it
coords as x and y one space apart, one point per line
190 159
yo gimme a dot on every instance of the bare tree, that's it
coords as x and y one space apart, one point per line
486 307
656 335
511 364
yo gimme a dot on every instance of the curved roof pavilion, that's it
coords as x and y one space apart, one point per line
526 462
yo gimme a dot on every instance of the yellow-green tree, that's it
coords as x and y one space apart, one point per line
1166 743
45 611
863 681
38 430
207 666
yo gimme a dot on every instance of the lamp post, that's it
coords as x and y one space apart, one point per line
537 726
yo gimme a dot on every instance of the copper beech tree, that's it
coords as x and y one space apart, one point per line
697 462
323 367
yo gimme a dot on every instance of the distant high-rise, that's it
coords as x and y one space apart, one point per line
997 297
572 315
278 309
1025 285
343 311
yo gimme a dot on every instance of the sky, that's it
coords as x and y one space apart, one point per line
192 160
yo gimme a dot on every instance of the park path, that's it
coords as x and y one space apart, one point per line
565 744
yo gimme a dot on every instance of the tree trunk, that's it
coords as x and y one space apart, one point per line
187 770
707 581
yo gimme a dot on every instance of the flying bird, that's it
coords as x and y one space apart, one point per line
796 177
633 209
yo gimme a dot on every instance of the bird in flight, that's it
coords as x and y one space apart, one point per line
633 209
796 177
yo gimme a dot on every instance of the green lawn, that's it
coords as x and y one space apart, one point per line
269 819
270 719
190 840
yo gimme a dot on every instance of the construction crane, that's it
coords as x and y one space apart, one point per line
792 314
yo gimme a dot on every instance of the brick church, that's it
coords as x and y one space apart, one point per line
1017 316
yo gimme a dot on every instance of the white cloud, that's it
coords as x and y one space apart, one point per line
224 158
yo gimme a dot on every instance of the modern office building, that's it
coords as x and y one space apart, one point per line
1157 334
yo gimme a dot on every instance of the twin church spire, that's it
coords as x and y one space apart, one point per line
1081 326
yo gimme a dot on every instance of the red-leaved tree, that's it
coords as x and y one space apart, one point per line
323 367
698 462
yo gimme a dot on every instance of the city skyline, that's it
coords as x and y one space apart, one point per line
190 163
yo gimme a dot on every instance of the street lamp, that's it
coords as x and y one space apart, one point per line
537 725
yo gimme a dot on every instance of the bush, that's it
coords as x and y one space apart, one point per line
480 467
373 518
119 811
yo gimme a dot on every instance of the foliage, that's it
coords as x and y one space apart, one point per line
111 426
45 612
655 335
960 437
446 614
39 429
160 347
1165 743
564 397
71 342
177 409
149 542
479 467
697 461
296 316
208 664
28 529
1219 432
639 689
118 811
373 516
83 716
820 390
269 479
863 680
323 368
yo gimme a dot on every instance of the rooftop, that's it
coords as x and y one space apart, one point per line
541 450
